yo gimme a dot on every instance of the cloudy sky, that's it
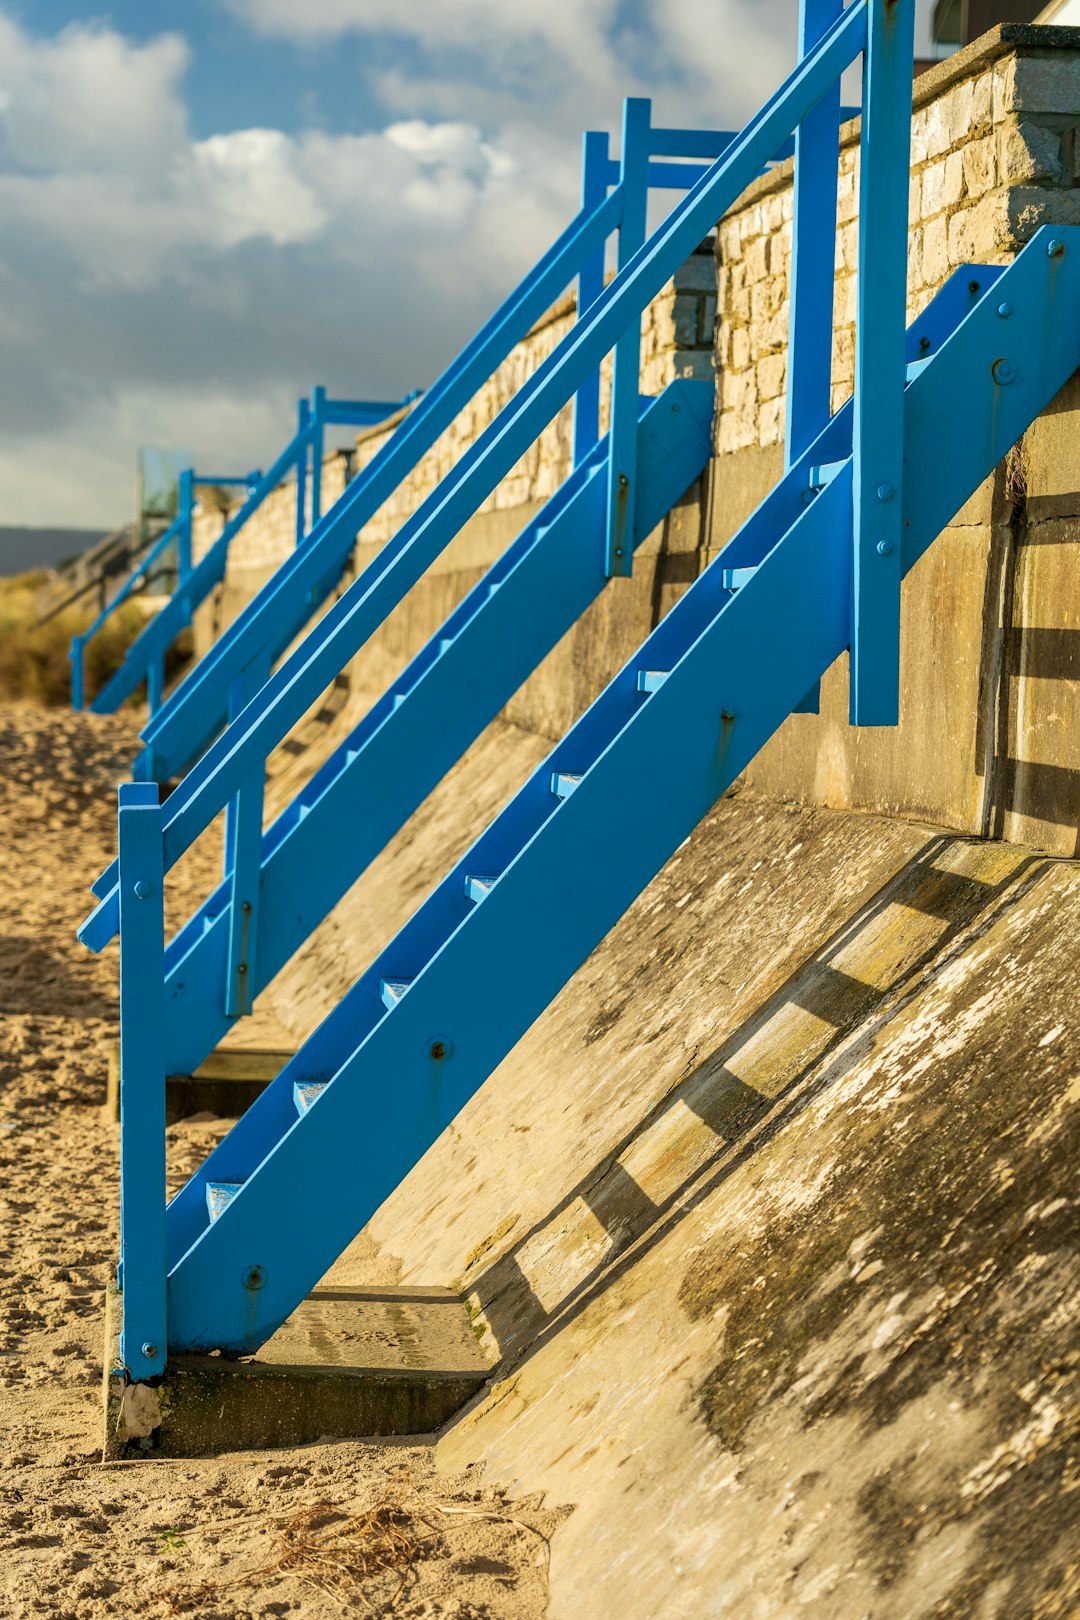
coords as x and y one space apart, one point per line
209 206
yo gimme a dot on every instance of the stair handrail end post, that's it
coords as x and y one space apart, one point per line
144 1332
626 358
595 169
303 430
881 316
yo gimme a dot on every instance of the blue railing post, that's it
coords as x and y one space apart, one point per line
185 512
142 1081
318 438
878 444
303 427
595 168
155 682
626 372
813 251
78 687
813 259
243 859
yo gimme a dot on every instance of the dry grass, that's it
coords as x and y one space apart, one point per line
366 1556
363 1557
34 664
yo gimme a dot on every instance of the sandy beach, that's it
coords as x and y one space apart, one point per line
342 1526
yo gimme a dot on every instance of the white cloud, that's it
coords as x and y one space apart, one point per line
160 289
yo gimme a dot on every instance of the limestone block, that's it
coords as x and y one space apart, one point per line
981 231
771 374
771 422
1037 84
980 166
935 258
1029 207
698 274
1029 152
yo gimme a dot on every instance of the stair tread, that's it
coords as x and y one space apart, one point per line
563 783
477 886
392 990
219 1195
305 1092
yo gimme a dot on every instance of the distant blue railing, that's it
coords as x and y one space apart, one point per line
303 455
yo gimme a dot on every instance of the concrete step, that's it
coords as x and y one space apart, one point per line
226 1083
350 1363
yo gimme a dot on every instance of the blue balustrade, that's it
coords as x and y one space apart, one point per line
814 571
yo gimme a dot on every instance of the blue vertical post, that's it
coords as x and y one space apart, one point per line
78 688
878 450
318 437
243 858
144 1334
595 168
155 682
626 374
186 513
813 253
303 425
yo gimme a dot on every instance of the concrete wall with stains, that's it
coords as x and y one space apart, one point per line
987 740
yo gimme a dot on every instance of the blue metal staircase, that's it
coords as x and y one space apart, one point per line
814 571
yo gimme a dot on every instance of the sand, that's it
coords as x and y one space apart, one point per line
210 1538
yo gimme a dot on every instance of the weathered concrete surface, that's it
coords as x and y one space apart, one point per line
349 1362
771 1218
989 740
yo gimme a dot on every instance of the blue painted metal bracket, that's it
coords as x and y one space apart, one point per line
470 977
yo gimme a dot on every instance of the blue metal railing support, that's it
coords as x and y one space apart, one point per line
626 371
302 442
318 441
595 165
243 860
185 513
879 363
142 1082
813 251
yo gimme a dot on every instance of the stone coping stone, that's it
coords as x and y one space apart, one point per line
350 1363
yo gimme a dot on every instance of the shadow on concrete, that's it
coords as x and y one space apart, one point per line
821 1004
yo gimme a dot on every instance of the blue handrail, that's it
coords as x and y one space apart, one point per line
280 610
239 754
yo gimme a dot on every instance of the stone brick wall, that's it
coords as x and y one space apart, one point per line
268 538
995 153
677 340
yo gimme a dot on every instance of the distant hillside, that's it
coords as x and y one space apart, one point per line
22 549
